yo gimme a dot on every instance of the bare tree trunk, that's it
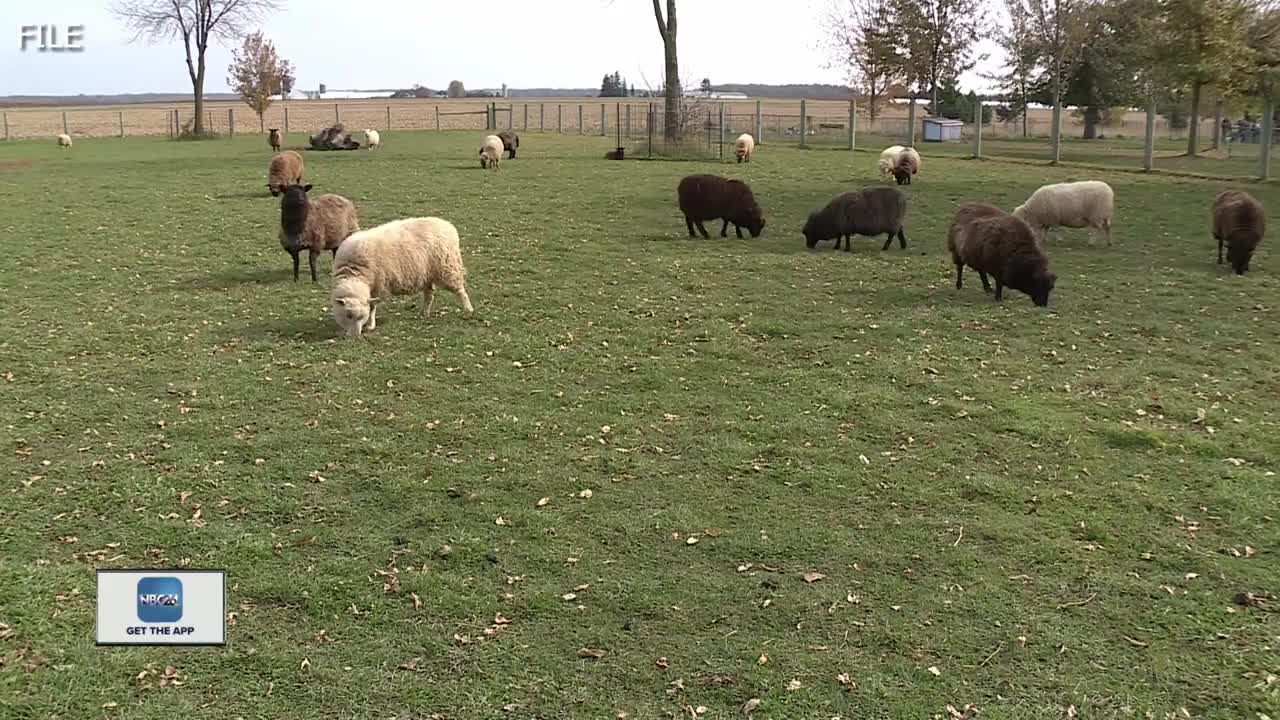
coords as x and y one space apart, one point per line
198 90
1193 130
934 111
667 29
1056 131
1218 109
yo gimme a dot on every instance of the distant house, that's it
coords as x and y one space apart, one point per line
714 95
335 94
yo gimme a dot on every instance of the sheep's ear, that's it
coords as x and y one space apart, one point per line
307 187
341 301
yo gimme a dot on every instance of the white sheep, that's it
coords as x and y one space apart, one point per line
372 139
491 152
1089 203
64 140
744 147
398 258
889 159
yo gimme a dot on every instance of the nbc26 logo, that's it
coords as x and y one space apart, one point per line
159 599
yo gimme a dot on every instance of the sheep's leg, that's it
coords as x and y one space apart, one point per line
959 275
311 260
458 286
999 287
373 315
689 223
887 242
724 229
986 284
1106 229
703 229
428 297
902 238
295 265
738 229
1219 250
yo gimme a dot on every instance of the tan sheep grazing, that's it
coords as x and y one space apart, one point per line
399 258
744 147
491 152
285 170
64 140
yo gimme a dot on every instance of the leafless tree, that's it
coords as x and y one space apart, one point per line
671 81
860 39
197 23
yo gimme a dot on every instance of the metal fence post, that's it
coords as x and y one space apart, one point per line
911 122
853 123
720 120
1149 149
628 122
759 125
977 128
231 122
120 119
1268 133
804 123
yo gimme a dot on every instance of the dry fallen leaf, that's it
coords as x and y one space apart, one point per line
812 577
593 653
1135 642
763 659
411 664
501 521
691 540
585 494
306 664
845 680
750 706
663 664
417 601
569 597
542 502
935 671
794 685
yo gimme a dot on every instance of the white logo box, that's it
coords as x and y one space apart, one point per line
203 607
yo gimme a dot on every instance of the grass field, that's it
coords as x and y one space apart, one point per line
1036 513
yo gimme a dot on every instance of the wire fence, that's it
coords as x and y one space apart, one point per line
1132 138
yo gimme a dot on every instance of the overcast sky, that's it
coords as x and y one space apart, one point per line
369 44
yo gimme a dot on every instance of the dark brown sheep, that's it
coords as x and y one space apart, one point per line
1239 223
711 197
510 141
273 138
615 154
994 242
867 212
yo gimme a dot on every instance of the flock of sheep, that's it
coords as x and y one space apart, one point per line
418 254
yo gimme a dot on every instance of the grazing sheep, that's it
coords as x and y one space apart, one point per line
615 154
285 170
861 212
1240 223
334 137
273 138
994 242
491 152
744 147
889 159
398 258
317 225
711 197
510 141
372 139
64 140
908 164
1089 203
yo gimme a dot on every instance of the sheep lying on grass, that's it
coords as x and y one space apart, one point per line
994 242
64 140
862 212
491 152
1238 222
273 138
372 139
744 147
398 258
908 164
1089 203
285 170
316 225
711 197
510 141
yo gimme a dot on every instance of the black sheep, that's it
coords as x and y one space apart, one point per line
510 141
711 197
867 212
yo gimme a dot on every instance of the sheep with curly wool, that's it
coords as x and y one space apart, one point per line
889 159
316 225
491 152
744 147
64 140
372 139
908 164
273 138
398 258
1238 222
867 212
1088 203
285 170
711 197
510 142
993 242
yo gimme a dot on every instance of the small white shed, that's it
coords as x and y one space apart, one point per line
938 129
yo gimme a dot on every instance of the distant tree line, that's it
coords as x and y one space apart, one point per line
615 86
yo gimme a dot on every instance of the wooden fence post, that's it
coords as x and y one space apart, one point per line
977 129
231 122
560 117
603 123
1268 132
804 123
853 123
720 121
6 125
628 121
911 122
286 119
120 119
1149 148
580 129
388 117
437 118
542 117
759 125
64 123
526 117
209 119
337 117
